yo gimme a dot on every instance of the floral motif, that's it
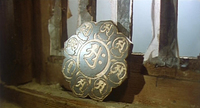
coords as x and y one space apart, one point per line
95 59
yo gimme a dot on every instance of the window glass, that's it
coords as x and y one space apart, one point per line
189 27
142 29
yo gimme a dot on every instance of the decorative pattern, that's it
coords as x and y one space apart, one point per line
95 59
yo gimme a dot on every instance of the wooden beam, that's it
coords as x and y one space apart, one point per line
168 43
64 36
16 41
124 17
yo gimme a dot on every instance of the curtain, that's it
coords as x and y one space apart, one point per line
163 49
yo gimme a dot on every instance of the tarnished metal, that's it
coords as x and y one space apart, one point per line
95 59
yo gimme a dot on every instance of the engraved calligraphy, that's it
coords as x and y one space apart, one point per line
71 46
95 59
85 30
119 47
81 83
107 28
117 72
96 51
100 85
69 68
106 31
80 86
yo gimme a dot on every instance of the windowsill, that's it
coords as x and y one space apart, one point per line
34 95
135 65
156 92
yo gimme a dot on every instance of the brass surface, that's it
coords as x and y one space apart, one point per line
95 59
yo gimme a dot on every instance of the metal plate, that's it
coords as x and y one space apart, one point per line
95 59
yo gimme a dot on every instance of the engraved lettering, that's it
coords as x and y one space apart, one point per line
96 51
107 28
95 59
69 66
81 84
120 69
120 45
100 86
72 44
86 29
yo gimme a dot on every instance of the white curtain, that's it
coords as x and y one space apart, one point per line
163 50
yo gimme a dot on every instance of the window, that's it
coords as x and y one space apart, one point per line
142 25
189 27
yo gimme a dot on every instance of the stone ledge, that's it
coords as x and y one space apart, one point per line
33 95
156 92
135 65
